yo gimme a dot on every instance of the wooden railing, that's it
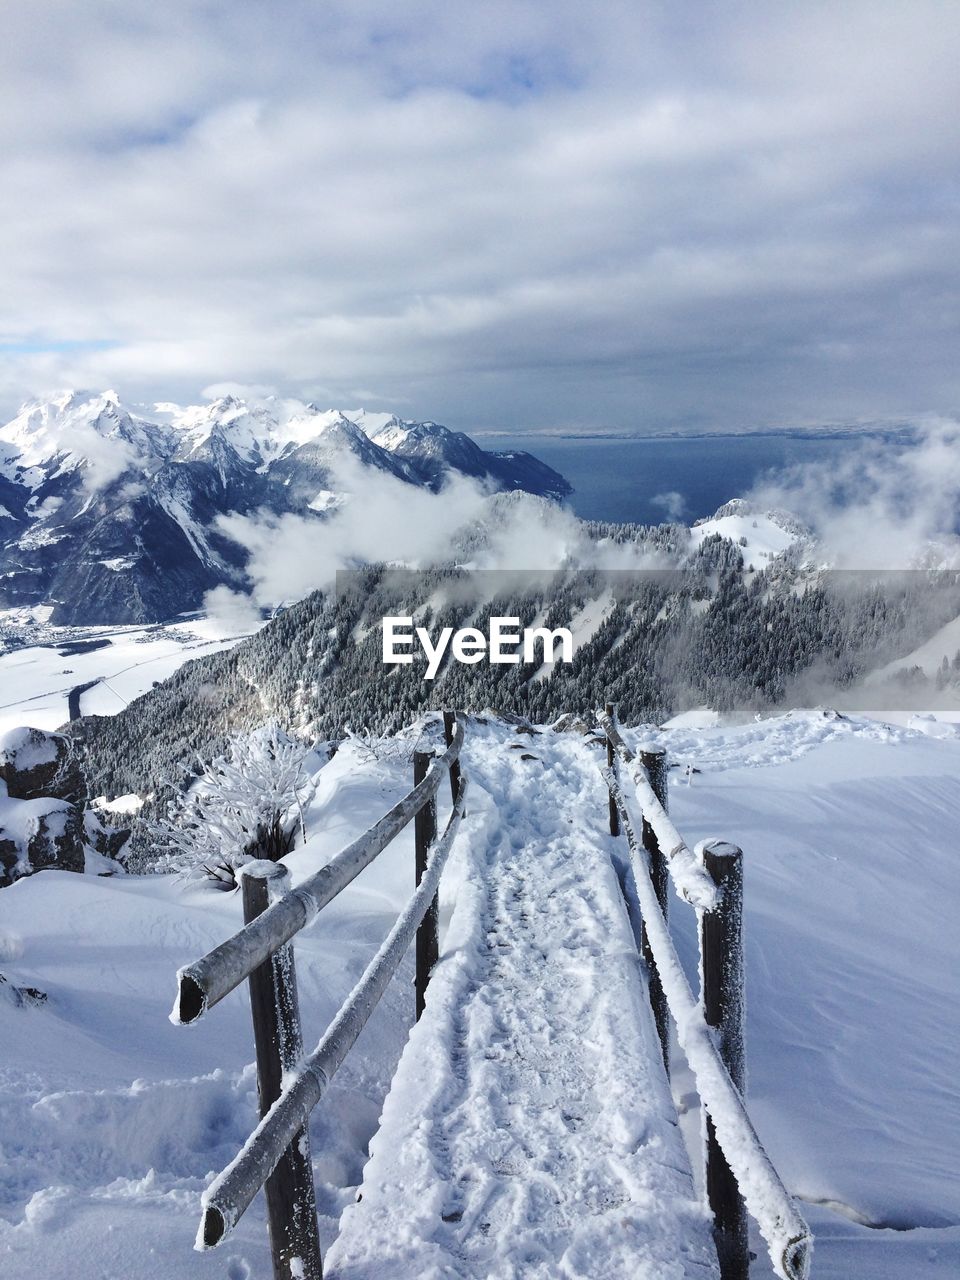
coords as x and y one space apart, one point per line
740 1176
277 1154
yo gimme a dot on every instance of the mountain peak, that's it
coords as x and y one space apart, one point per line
68 424
763 533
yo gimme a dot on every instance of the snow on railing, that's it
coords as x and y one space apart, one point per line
689 878
276 1156
739 1173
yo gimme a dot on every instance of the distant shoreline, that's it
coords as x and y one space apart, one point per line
902 432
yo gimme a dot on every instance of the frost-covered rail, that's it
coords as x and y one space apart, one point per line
690 880
739 1171
277 1154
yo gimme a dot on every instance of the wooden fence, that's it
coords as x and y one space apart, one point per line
740 1176
277 1154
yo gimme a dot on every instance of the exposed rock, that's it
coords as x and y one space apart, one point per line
9 857
36 834
519 724
571 723
34 763
41 826
562 723
105 840
21 996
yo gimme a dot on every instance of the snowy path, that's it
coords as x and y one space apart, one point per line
112 1120
529 1131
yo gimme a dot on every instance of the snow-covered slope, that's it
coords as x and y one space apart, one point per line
929 656
258 431
112 1120
853 1014
762 535
79 430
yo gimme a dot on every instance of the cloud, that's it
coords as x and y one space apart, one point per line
879 504
241 390
380 519
631 215
105 458
234 611
672 502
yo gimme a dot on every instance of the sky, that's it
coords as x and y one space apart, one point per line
509 214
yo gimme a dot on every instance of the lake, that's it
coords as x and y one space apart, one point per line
621 479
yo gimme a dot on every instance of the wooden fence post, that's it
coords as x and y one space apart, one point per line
425 833
449 726
655 763
291 1201
611 710
721 952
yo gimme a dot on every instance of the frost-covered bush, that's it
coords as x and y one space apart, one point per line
244 804
372 746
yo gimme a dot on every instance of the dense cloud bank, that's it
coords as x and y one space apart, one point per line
511 213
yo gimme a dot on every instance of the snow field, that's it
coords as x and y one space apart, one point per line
112 1121
853 1018
764 537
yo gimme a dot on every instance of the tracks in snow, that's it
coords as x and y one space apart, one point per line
530 1132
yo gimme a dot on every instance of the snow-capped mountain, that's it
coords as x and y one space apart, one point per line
431 449
110 514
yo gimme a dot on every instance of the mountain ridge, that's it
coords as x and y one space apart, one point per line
110 514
